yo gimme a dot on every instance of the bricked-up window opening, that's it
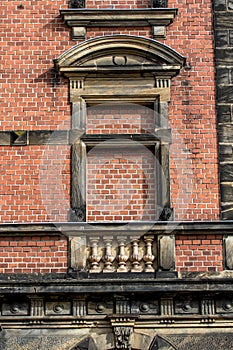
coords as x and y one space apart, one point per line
120 118
120 90
121 183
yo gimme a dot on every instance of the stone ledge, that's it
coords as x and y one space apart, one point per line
80 19
103 286
167 227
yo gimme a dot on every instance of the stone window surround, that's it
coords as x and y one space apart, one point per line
117 68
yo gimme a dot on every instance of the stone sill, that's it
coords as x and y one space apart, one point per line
80 19
160 227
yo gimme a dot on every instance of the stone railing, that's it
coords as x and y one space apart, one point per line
109 252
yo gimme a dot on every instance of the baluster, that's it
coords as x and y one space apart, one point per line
135 259
108 257
94 258
122 257
149 257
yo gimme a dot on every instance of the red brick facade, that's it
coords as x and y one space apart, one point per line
36 179
33 254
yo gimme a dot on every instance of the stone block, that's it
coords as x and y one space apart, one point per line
220 5
227 192
226 172
224 56
221 38
230 4
227 211
222 76
78 33
231 37
224 113
225 94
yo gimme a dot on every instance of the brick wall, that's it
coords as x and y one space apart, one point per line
35 183
195 191
120 119
121 184
199 253
33 254
33 36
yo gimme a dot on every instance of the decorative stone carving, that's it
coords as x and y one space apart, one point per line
148 307
149 257
108 258
135 257
123 306
79 307
123 337
122 257
37 306
58 308
166 306
94 258
104 307
15 309
207 306
72 61
186 306
224 306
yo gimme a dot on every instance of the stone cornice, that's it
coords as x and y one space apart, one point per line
114 17
160 227
80 19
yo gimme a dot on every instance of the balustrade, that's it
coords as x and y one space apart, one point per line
122 254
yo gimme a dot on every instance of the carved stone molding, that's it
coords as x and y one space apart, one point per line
96 56
79 19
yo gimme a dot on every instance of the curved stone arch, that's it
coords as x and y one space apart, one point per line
160 343
85 344
152 53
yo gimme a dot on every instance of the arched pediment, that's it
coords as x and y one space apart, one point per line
118 53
